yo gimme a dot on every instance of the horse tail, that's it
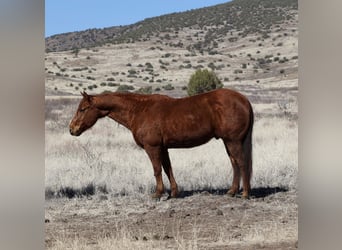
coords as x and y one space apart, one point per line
247 145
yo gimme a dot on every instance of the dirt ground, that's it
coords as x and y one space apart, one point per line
197 220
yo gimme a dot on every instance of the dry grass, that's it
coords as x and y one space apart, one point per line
115 178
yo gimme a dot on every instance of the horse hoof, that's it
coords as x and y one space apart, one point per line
156 196
245 196
231 193
174 195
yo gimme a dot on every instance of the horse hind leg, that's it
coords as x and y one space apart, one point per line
236 173
155 156
168 171
240 168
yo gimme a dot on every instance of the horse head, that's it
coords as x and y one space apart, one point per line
86 115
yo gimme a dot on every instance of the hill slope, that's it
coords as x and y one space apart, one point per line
246 16
252 45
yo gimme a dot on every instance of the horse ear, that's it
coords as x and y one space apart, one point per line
85 95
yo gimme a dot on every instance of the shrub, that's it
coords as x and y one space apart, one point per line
202 81
149 65
132 73
90 78
168 87
166 55
124 88
111 84
212 66
145 90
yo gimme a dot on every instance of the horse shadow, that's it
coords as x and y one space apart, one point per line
260 192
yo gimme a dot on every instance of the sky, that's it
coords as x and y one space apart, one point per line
75 15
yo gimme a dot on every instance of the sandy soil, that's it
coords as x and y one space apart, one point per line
196 220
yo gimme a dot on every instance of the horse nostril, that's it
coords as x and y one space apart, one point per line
70 130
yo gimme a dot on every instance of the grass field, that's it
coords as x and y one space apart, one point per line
98 187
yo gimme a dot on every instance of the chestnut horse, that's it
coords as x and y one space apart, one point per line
159 122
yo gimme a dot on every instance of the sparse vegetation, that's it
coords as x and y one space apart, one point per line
208 47
252 17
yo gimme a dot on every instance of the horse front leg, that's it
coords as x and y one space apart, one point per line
168 170
154 153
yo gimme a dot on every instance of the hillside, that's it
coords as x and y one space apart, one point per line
245 16
252 45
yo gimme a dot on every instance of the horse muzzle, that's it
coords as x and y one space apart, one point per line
74 132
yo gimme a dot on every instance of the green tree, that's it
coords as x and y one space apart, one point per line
203 81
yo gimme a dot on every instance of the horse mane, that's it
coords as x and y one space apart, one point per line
129 97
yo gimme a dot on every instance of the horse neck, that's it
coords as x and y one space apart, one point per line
120 107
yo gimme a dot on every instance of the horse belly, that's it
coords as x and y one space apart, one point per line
187 134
